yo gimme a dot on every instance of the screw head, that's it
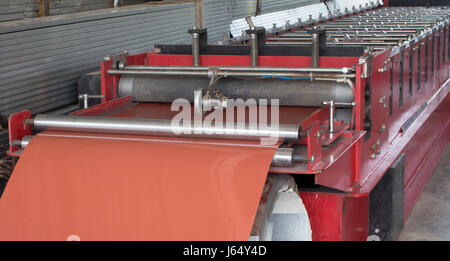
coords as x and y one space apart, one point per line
318 135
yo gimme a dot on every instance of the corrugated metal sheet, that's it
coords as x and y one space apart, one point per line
294 10
279 18
243 8
334 5
71 6
41 60
217 19
269 6
17 9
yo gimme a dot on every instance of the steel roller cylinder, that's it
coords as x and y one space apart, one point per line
289 92
158 127
283 157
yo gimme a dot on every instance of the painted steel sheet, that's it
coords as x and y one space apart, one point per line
97 187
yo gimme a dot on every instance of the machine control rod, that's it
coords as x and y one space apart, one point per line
310 76
158 127
85 99
333 106
253 41
342 70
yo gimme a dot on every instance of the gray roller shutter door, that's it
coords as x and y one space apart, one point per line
41 61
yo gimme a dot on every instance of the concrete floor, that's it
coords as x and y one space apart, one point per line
430 217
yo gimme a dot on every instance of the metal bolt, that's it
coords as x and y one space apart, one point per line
373 156
378 142
318 134
383 128
313 158
382 69
382 99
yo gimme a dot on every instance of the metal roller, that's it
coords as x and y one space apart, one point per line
289 92
283 157
157 127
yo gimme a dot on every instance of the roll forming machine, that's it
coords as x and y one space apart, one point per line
363 108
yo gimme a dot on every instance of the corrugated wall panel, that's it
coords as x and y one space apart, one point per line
17 9
279 18
41 61
243 8
217 19
269 6
71 6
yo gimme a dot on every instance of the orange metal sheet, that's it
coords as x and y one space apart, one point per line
97 187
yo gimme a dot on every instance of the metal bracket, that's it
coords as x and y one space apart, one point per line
119 60
333 106
85 98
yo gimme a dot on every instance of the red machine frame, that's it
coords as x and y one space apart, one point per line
418 128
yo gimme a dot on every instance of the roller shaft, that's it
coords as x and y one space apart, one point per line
225 69
283 157
288 92
157 127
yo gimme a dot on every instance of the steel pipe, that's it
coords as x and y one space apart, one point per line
315 50
230 73
158 127
196 49
269 70
385 44
254 49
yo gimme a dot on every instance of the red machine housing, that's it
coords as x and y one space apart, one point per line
410 121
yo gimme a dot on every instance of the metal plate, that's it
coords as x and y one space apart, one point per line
69 186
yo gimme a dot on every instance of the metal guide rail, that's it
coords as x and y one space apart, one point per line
380 28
